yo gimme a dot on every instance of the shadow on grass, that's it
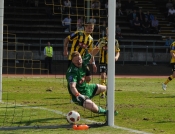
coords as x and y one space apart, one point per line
27 123
163 97
68 126
166 122
56 98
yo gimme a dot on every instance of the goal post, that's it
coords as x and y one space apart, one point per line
111 61
1 44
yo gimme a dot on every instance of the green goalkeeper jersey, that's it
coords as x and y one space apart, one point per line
75 74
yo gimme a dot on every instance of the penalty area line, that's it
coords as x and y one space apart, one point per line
90 121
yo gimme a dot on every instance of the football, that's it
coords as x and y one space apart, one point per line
73 116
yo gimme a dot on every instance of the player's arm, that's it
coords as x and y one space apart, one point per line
95 51
66 43
117 51
172 54
92 61
75 92
97 47
73 88
117 55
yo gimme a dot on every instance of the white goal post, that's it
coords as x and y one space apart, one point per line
1 43
111 61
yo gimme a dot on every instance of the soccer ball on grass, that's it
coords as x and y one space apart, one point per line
73 116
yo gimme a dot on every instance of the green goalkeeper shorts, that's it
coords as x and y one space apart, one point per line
89 91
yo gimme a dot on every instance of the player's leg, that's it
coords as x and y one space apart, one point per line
103 78
164 85
103 69
46 62
90 105
90 92
50 65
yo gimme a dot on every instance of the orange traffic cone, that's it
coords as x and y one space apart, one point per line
80 127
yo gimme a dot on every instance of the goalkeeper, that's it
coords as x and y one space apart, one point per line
81 91
102 48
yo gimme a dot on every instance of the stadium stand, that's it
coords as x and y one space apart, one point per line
34 26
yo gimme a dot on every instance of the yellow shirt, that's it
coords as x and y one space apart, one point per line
172 49
79 42
102 44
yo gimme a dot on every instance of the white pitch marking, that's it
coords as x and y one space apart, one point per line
91 121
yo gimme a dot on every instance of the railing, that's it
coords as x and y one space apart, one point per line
128 53
147 53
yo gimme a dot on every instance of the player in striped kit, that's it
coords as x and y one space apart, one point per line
102 48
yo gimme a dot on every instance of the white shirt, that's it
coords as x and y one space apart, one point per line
106 5
171 11
67 4
92 20
66 21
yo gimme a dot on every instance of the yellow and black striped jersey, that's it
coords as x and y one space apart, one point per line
172 49
102 44
80 41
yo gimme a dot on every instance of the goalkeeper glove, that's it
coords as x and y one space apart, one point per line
80 97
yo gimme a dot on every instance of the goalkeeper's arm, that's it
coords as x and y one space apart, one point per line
79 97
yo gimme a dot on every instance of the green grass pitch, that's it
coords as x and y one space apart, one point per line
141 103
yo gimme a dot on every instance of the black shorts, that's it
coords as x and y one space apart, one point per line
173 67
103 68
88 73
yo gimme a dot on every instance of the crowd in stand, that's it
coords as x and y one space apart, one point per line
145 23
142 22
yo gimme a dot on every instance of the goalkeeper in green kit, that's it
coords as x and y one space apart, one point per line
81 91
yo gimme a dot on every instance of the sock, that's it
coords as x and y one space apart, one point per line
103 82
101 110
169 79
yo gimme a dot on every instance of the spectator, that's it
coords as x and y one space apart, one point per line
93 20
102 8
103 28
80 26
171 14
141 16
67 8
169 4
48 53
106 7
155 25
129 6
146 26
67 23
169 41
95 7
118 8
149 16
132 17
137 25
80 21
118 32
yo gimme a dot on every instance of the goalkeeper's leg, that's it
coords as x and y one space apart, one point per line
90 105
